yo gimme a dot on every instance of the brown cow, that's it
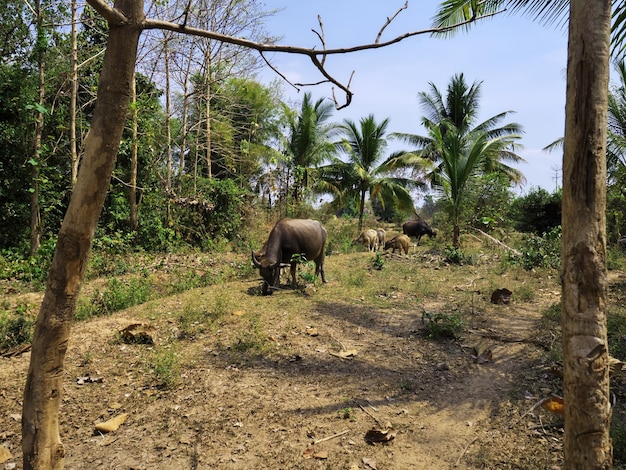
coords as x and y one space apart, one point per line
400 243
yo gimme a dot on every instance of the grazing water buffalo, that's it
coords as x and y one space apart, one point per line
381 236
400 243
290 237
417 229
368 238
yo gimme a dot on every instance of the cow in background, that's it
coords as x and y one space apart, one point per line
417 229
367 238
400 243
381 237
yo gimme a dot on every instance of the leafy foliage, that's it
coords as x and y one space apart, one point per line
442 325
15 329
540 252
538 211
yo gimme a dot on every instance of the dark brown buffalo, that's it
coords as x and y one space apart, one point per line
289 237
417 229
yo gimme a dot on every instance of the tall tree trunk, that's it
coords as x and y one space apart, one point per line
41 443
207 104
74 96
132 189
585 348
168 130
36 227
362 210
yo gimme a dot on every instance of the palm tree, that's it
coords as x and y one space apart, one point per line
616 136
309 142
365 169
457 146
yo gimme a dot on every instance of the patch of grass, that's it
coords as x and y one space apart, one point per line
250 341
347 413
553 313
355 278
378 262
15 328
165 367
618 438
117 295
442 325
616 332
524 293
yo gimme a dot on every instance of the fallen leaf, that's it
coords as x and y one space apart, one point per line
376 435
554 405
113 424
88 379
347 353
311 331
615 366
370 462
322 455
308 453
5 454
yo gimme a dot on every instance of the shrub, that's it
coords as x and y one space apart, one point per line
15 329
540 252
442 325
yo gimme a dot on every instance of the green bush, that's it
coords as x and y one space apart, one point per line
540 252
117 295
442 325
15 329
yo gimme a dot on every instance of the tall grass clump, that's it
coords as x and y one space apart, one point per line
117 295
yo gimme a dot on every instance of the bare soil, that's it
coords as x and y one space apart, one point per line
299 379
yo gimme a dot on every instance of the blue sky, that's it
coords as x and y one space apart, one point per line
521 63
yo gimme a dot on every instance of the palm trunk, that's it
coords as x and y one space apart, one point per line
585 349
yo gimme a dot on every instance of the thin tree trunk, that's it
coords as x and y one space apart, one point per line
41 443
207 98
36 228
362 207
585 348
74 96
132 190
168 130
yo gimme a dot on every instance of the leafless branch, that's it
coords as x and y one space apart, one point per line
317 57
389 20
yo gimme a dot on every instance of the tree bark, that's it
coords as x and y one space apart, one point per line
41 443
585 348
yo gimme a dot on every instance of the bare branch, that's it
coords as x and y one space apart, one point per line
389 20
322 36
113 16
317 57
277 72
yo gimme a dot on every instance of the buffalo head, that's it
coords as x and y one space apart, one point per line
270 272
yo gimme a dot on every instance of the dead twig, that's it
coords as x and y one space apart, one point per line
331 437
370 415
497 242
456 464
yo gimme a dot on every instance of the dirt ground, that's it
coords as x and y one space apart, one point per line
311 379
